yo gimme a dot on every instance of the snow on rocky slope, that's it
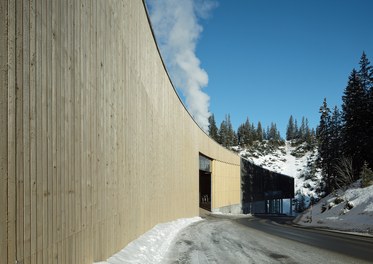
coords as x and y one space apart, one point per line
297 161
350 210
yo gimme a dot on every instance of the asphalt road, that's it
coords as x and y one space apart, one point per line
221 239
354 246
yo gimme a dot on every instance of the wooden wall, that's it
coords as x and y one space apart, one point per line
95 145
226 184
3 133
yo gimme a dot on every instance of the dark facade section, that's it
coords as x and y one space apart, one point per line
263 191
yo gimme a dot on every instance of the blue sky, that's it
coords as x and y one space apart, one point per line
269 59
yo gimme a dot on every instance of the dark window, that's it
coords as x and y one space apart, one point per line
204 163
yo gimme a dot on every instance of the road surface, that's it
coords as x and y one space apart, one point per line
351 245
265 240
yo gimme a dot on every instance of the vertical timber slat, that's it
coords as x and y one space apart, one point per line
4 130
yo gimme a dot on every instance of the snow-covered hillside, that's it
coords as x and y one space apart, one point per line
295 160
350 210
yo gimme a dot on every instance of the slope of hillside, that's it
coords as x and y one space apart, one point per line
298 161
350 210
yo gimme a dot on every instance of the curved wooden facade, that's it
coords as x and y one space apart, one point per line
95 146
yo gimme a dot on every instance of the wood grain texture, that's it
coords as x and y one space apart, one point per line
96 147
3 130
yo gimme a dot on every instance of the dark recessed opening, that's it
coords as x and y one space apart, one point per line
204 183
205 190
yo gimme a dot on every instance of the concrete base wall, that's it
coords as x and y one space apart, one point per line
230 209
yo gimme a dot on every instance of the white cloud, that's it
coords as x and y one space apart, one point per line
177 30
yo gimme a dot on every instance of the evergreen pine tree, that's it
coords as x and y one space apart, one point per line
230 133
259 132
323 136
244 134
227 136
366 79
335 146
365 73
354 117
278 136
264 134
253 132
212 128
296 130
268 135
223 134
240 135
313 134
249 131
302 130
273 134
290 130
366 175
369 124
308 135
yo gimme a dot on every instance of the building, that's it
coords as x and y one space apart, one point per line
95 145
264 191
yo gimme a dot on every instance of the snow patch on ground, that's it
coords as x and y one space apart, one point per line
152 246
348 210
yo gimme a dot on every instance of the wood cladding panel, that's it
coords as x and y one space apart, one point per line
3 130
226 184
95 145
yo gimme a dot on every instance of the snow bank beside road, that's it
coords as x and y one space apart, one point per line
350 210
152 246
